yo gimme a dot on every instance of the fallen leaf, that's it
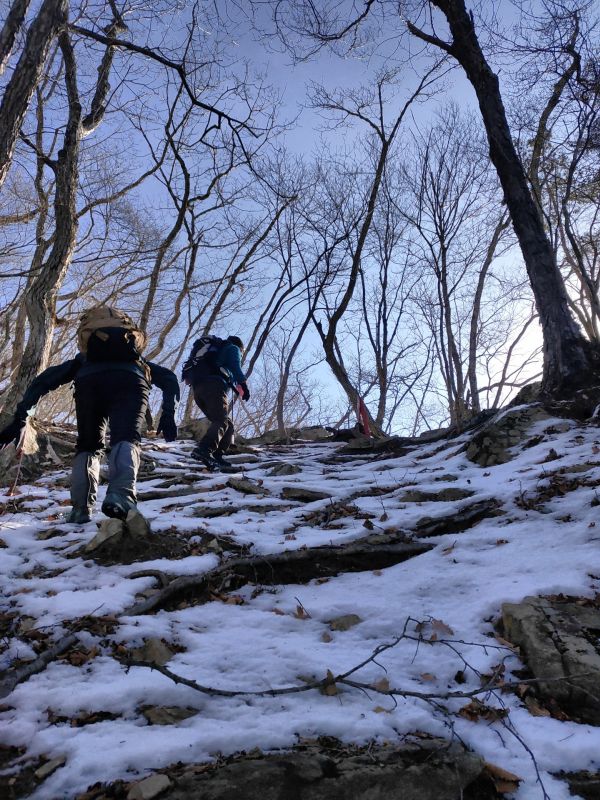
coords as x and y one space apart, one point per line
503 780
330 689
368 525
326 637
441 627
427 676
476 711
301 613
278 611
535 709
501 542
235 600
447 550
382 685
384 517
382 710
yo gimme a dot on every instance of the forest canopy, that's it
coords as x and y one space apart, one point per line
390 201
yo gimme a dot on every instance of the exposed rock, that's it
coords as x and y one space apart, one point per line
314 433
527 394
137 525
154 651
149 788
559 643
492 444
459 520
246 486
303 495
111 530
284 469
433 770
167 715
344 623
49 533
583 784
194 429
449 494
49 767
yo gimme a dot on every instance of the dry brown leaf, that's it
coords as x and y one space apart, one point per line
427 676
382 710
441 627
476 711
535 709
382 685
447 550
384 517
301 613
326 637
278 611
330 689
501 541
504 781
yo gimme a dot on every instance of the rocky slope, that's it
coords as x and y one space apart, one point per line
318 603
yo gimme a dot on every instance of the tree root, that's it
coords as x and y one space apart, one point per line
291 566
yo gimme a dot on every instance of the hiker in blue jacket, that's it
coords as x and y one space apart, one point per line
215 366
110 388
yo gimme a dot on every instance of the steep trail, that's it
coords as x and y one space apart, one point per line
460 540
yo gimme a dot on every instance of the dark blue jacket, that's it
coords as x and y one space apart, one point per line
79 367
229 358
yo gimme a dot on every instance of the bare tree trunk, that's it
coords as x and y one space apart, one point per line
568 357
474 326
51 16
10 29
41 294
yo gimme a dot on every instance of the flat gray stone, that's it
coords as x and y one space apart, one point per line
246 486
111 530
303 495
149 788
167 715
284 469
449 494
49 767
344 623
557 643
137 525
429 771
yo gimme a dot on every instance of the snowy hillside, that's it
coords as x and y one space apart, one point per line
423 595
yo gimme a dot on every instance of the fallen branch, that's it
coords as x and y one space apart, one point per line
13 678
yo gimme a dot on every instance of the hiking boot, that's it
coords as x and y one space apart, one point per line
220 459
201 454
116 508
222 464
79 516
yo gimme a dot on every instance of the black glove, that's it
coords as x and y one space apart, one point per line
11 433
245 391
167 426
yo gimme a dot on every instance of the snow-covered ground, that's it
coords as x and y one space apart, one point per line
278 636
